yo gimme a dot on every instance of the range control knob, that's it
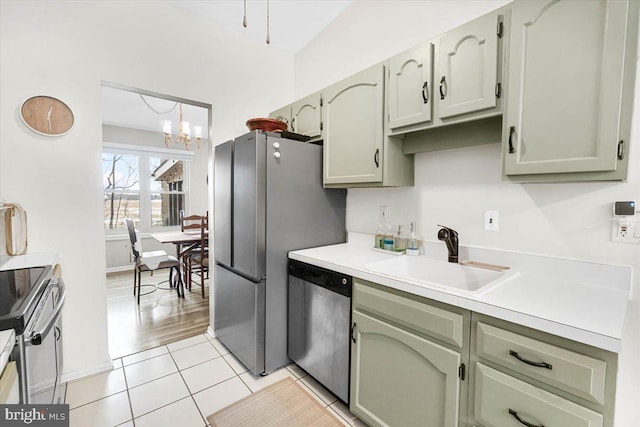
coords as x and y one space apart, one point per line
344 281
276 145
276 154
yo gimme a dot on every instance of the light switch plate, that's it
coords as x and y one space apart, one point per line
491 220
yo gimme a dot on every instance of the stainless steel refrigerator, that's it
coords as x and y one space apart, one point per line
269 200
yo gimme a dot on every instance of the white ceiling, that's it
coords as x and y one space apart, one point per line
293 23
127 109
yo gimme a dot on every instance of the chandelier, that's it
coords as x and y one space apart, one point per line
184 128
184 132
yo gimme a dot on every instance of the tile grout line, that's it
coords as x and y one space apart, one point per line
317 394
243 382
211 386
187 386
98 399
145 360
164 376
337 414
126 384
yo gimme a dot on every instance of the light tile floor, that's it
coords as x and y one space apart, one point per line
179 384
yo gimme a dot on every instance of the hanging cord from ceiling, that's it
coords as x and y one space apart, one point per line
268 37
244 18
156 111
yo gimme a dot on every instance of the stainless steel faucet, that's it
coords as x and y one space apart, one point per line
450 237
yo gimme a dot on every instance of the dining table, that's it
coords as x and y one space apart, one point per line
180 239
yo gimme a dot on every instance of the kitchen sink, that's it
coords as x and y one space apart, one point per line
456 277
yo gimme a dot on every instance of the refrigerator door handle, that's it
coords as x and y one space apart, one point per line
240 273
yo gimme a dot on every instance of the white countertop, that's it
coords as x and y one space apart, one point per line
36 259
577 300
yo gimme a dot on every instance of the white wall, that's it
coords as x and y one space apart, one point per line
65 49
455 187
370 31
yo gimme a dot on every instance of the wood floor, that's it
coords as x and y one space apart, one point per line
161 318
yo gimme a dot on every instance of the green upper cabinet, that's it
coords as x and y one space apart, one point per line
467 67
571 72
306 117
410 87
352 114
283 114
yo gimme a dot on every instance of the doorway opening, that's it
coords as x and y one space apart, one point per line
156 155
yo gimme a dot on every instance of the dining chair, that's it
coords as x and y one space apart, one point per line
191 222
152 261
196 256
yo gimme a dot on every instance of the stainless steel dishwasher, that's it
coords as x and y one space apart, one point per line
319 321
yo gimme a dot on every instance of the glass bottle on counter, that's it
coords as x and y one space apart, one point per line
387 241
400 241
413 246
379 238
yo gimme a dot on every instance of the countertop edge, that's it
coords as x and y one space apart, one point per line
36 259
584 336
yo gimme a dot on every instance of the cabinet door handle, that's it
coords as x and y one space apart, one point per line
529 362
425 92
353 328
515 415
293 124
376 157
512 130
621 150
443 87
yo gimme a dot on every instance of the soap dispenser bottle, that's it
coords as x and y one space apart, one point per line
413 246
400 241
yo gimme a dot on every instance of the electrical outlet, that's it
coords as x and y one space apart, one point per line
622 231
383 213
491 220
625 227
625 231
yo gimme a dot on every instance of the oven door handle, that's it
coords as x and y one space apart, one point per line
36 337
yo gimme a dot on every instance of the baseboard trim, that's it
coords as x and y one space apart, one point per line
210 331
76 375
119 269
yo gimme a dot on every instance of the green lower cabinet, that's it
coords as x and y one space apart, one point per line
401 379
504 401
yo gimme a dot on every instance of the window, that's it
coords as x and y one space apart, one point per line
148 187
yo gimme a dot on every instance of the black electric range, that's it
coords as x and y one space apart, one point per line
20 291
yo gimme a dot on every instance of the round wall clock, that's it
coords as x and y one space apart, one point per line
47 115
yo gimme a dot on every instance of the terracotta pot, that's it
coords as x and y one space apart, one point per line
268 125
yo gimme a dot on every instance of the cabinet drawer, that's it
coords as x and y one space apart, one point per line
442 324
575 373
503 401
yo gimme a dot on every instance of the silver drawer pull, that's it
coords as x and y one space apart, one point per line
529 362
515 415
